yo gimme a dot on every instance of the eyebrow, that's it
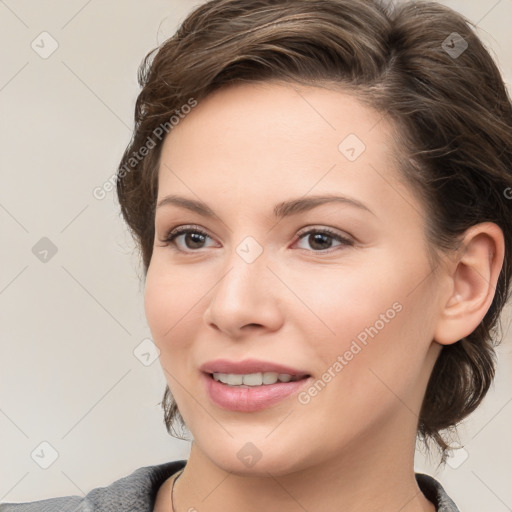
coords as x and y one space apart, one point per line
281 210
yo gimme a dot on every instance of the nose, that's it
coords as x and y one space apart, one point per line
246 299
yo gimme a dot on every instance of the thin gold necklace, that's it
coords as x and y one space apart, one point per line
172 490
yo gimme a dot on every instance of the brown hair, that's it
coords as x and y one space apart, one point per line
420 64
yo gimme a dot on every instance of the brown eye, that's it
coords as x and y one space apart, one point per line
322 239
193 240
190 239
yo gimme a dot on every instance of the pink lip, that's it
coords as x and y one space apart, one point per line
248 366
250 398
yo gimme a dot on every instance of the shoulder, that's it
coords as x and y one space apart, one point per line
135 492
434 492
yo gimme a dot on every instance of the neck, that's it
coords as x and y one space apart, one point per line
365 478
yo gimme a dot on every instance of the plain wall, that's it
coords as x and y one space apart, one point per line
70 325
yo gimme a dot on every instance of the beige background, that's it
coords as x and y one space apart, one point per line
70 325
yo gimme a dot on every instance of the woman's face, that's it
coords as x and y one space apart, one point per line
341 291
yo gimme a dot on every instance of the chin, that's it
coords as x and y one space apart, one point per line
258 459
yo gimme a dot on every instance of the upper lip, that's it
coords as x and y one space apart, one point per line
248 366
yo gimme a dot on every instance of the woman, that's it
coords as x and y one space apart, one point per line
319 193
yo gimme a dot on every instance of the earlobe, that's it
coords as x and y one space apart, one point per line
474 276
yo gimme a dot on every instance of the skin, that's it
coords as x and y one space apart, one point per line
242 150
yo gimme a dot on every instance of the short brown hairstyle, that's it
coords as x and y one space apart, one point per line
422 65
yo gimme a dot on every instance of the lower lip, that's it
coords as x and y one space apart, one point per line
251 398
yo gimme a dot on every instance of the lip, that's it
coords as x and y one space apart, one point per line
250 398
249 366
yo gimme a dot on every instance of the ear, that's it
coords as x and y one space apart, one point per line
473 276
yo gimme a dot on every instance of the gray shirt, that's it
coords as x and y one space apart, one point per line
137 493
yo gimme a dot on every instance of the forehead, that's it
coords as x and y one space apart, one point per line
284 116
257 143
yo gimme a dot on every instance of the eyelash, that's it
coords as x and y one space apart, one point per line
174 233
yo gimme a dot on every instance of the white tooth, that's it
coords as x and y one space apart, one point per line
234 380
253 379
269 378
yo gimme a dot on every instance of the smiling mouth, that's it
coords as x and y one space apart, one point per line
255 379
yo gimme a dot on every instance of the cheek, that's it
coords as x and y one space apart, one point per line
372 321
383 359
343 304
171 304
